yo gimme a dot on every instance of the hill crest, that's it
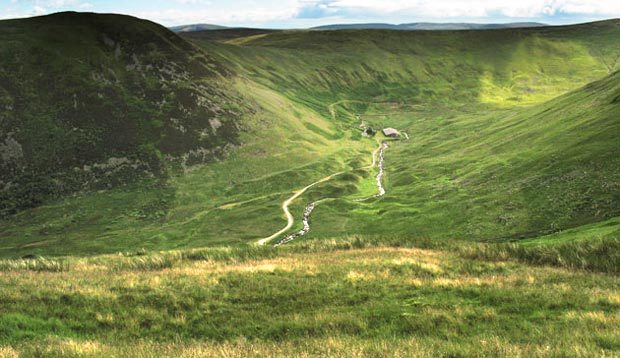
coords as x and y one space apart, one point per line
430 26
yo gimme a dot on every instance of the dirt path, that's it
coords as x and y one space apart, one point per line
374 155
288 202
305 230
310 207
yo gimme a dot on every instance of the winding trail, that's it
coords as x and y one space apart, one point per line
374 155
310 207
305 230
288 202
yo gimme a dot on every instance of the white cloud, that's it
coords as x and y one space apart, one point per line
193 2
58 3
211 14
27 8
38 10
49 3
308 12
459 8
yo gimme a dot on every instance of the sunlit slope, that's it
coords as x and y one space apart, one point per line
162 104
501 67
228 202
476 167
336 299
496 175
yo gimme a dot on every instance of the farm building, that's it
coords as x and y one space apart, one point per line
390 132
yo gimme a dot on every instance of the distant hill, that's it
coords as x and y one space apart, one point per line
225 34
410 26
196 27
430 26
90 102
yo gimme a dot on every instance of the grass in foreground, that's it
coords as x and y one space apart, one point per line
341 298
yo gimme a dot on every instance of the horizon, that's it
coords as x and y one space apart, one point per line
299 14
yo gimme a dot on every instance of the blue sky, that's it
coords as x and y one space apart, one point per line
307 13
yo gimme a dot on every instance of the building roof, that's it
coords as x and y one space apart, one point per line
390 132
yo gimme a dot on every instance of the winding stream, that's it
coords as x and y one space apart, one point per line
379 176
381 171
302 232
289 216
308 210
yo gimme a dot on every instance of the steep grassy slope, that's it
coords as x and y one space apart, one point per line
322 299
491 156
93 101
496 175
502 68
480 164
226 202
204 113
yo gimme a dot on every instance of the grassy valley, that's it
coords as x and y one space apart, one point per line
496 175
141 167
503 68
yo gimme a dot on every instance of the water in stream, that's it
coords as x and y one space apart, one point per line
311 206
379 176
302 232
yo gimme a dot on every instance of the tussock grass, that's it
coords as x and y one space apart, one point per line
594 254
353 298
600 255
37 265
336 347
356 242
233 255
597 255
152 262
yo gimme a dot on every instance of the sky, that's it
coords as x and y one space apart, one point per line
308 13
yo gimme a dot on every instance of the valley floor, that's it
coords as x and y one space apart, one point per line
310 207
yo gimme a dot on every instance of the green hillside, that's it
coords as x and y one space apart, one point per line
494 155
496 175
144 150
141 168
491 157
95 101
510 67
